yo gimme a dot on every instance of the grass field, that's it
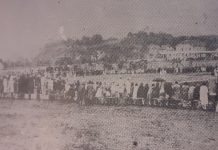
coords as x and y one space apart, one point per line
43 125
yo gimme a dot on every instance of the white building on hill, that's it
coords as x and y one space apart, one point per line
186 54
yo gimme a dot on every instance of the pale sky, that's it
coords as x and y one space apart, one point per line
26 25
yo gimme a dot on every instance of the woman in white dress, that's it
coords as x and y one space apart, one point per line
5 85
135 93
128 86
99 94
11 86
113 89
204 96
44 83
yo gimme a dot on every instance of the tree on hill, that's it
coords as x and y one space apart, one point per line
126 47
97 39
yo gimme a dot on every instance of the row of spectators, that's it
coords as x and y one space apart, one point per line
83 72
122 92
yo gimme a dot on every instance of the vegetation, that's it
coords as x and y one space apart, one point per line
133 45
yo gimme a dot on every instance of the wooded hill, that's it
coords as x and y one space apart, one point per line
112 50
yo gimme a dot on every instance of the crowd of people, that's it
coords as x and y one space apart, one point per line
42 85
77 71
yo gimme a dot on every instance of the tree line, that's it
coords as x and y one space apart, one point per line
121 49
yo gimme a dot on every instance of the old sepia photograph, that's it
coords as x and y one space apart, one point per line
108 74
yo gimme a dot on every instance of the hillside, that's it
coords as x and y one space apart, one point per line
134 45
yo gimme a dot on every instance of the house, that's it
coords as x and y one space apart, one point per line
153 49
93 58
97 55
184 55
199 48
167 48
195 53
184 47
115 66
100 55
98 67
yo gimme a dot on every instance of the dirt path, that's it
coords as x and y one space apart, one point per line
34 125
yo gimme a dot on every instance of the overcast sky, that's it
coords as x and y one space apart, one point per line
26 25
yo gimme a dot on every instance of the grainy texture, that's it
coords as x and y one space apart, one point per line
43 125
108 75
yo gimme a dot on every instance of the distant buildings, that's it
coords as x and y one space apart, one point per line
151 58
184 55
187 51
184 47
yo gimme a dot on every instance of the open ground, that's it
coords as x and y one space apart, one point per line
57 125
44 125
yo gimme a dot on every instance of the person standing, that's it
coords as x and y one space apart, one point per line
204 96
113 89
30 86
90 94
145 95
156 93
191 93
11 86
127 85
1 86
191 96
184 94
16 86
212 91
162 96
216 102
196 94
43 89
216 74
66 88
140 92
81 94
5 86
131 90
21 86
150 88
38 86
99 93
176 91
135 91
176 98
168 90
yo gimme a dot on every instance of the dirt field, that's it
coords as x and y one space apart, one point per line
34 125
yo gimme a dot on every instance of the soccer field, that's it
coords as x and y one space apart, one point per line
44 125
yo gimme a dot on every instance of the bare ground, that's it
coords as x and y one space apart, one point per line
34 125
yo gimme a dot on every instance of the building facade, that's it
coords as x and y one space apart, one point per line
184 55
